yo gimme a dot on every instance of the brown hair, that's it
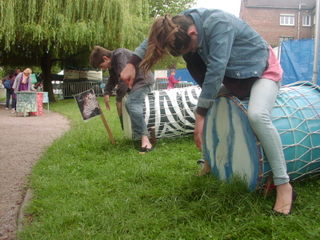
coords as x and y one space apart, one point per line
167 34
96 56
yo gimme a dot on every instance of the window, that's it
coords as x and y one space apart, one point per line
306 21
287 19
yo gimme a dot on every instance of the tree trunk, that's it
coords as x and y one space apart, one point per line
46 64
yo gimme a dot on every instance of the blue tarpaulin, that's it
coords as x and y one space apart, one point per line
297 60
185 75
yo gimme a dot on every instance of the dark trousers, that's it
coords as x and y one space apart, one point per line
197 68
9 95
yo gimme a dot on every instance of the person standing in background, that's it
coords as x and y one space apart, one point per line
22 82
8 83
172 81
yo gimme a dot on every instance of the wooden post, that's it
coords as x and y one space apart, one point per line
107 127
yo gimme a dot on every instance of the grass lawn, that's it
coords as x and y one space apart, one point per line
86 188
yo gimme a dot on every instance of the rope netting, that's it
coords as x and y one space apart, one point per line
171 112
296 115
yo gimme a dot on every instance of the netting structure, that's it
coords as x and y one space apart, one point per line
170 112
231 147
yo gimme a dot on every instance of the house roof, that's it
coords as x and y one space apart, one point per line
292 4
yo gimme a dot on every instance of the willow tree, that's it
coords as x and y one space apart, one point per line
161 7
38 32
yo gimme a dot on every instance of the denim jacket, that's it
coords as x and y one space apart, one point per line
228 47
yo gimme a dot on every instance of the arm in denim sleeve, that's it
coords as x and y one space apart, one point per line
219 33
141 50
138 54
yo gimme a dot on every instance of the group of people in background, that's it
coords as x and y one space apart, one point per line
14 82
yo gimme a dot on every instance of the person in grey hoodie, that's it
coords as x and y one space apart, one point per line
114 62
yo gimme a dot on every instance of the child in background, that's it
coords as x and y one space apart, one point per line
172 80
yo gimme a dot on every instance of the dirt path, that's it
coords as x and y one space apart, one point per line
22 141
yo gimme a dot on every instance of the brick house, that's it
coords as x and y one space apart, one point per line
278 20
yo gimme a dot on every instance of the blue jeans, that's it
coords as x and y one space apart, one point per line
134 105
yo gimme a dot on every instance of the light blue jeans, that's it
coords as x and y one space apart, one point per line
262 98
134 105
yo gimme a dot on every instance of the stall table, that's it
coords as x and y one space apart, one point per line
30 102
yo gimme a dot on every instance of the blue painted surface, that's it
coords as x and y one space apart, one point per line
230 141
296 115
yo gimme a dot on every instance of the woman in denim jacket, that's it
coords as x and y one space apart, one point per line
220 48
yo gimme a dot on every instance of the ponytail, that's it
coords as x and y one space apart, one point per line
167 34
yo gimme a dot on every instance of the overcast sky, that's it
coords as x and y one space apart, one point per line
231 6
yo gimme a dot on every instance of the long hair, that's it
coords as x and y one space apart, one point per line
167 34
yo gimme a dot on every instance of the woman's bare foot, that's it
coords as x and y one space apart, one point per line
284 199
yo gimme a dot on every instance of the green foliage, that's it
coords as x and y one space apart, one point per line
161 7
2 72
168 61
86 188
30 29
34 27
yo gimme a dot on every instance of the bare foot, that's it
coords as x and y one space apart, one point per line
284 199
145 143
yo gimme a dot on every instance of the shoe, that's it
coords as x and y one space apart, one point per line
144 150
6 108
293 198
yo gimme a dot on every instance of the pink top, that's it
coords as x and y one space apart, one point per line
274 71
172 81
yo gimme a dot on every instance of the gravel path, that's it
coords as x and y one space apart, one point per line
22 141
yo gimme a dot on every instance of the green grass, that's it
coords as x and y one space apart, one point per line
86 188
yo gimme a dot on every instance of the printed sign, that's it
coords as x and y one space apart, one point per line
88 104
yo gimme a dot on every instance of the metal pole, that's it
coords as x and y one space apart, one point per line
316 44
299 19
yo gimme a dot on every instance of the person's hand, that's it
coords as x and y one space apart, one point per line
198 131
128 74
106 101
